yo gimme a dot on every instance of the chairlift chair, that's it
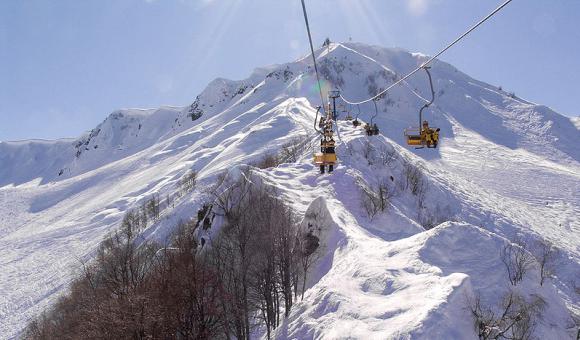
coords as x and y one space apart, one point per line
327 155
423 135
371 128
348 116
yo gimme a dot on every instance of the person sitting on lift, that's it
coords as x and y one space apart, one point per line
368 129
436 137
330 147
431 136
327 145
428 134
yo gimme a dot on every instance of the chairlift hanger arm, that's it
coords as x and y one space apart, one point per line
426 68
316 122
376 111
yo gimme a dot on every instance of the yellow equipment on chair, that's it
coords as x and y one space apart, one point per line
423 135
327 155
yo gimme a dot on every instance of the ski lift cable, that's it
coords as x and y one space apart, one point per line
415 93
499 8
313 56
404 83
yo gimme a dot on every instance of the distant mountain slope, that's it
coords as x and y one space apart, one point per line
504 167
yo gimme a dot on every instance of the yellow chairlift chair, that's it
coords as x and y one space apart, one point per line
423 135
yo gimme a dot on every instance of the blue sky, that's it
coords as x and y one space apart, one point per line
66 64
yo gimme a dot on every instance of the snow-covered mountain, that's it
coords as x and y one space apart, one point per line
505 167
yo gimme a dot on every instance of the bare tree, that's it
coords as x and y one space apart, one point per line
414 179
369 202
545 254
258 252
205 216
383 193
123 264
308 245
375 199
367 151
515 318
247 212
387 155
188 181
287 252
106 300
185 291
268 160
264 283
153 206
143 214
292 150
136 289
427 219
168 201
484 318
517 260
227 193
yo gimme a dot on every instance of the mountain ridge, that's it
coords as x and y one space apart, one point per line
47 220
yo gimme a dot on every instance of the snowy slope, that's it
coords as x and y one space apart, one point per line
415 286
505 166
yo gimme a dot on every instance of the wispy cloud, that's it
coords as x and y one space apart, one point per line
417 7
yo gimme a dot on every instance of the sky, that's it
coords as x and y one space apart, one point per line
65 65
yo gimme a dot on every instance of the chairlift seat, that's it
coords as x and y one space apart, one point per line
321 158
417 137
